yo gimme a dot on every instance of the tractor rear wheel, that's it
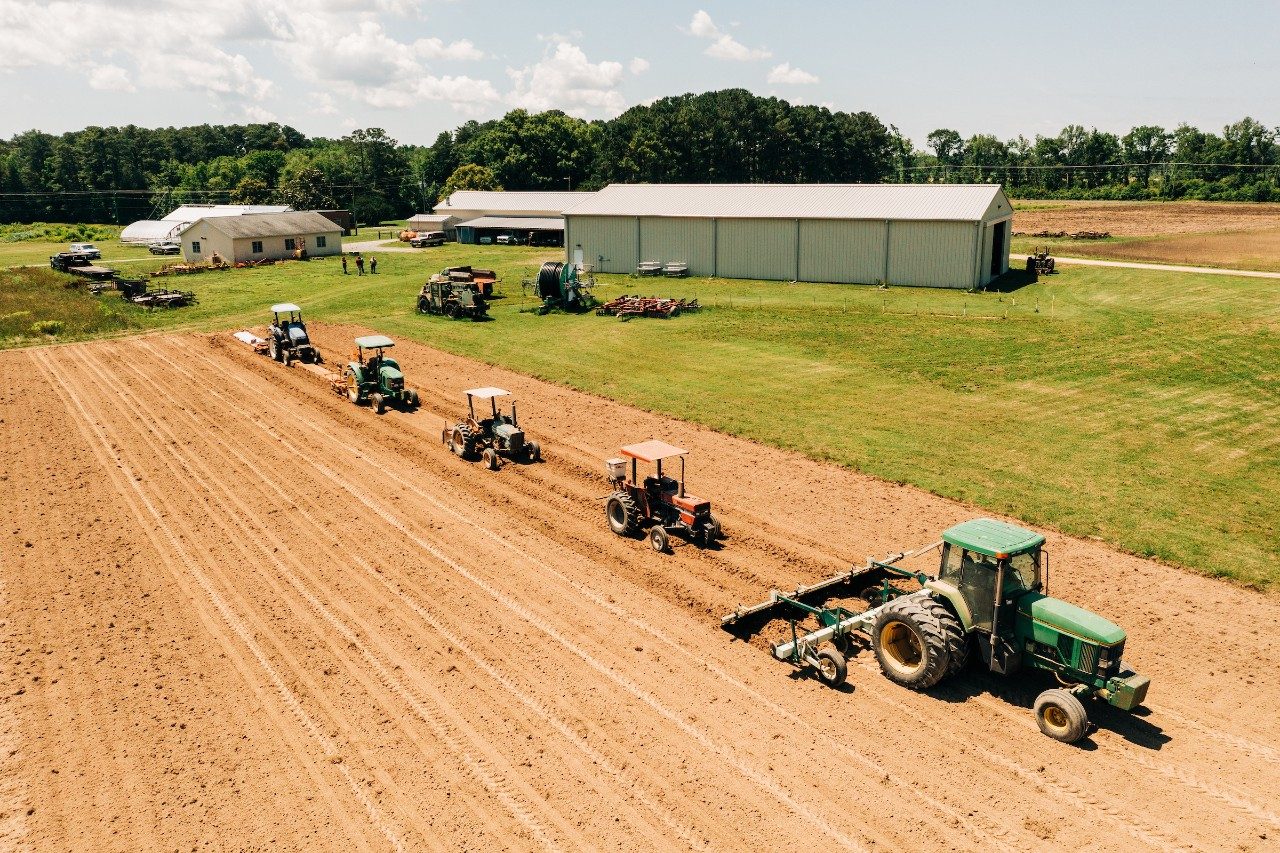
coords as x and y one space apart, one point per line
1061 715
353 387
379 402
462 442
490 458
658 539
623 514
832 669
912 642
274 346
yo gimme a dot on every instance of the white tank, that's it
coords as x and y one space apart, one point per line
617 468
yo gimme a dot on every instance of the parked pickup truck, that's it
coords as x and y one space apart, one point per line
427 238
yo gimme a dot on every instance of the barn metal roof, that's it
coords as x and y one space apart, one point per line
269 224
512 202
192 212
531 223
925 202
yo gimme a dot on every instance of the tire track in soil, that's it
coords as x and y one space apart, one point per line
726 754
230 618
1200 788
988 831
534 705
394 478
208 482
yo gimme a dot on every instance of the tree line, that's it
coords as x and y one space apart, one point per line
120 174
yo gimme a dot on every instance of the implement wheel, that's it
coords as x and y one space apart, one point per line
912 641
832 669
623 514
1061 716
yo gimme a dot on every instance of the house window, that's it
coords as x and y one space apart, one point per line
320 242
195 247
257 247
289 244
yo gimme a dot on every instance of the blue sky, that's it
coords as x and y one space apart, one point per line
417 67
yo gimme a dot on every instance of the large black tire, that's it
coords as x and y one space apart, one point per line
273 346
462 442
452 310
832 669
424 305
623 514
1061 716
913 641
353 388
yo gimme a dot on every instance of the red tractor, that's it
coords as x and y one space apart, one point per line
658 502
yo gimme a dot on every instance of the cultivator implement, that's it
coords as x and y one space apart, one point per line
627 307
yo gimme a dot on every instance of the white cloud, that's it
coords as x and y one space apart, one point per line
566 80
638 65
460 51
255 113
785 73
723 45
110 78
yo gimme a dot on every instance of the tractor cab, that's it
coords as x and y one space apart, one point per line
982 555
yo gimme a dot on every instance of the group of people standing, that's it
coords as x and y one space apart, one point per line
373 265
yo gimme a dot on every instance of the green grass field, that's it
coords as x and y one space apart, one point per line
1138 407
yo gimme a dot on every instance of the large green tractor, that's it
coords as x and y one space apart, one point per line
990 596
375 378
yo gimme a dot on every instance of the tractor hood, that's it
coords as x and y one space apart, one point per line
389 373
1069 619
298 335
508 432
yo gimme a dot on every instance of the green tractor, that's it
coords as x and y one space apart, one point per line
990 596
375 378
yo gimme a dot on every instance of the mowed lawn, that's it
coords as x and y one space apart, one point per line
1139 407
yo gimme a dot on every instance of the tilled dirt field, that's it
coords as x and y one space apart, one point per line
241 613
1145 219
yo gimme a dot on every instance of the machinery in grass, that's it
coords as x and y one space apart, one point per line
137 291
1039 262
374 377
494 435
453 299
989 595
80 263
561 287
287 337
483 279
658 502
629 307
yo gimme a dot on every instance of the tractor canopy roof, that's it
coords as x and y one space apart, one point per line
375 342
486 393
284 308
991 537
652 450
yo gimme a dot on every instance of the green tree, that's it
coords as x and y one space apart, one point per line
470 176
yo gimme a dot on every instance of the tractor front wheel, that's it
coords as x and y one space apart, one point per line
712 531
490 458
832 669
535 451
658 539
912 641
414 399
1061 715
379 402
623 514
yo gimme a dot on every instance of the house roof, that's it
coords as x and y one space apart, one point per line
532 223
550 201
925 202
269 224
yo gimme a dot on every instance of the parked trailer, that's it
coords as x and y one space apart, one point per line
79 264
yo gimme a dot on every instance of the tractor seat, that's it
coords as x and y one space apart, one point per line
661 484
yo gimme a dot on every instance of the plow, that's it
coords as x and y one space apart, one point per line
988 597
628 307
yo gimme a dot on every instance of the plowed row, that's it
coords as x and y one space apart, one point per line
239 612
